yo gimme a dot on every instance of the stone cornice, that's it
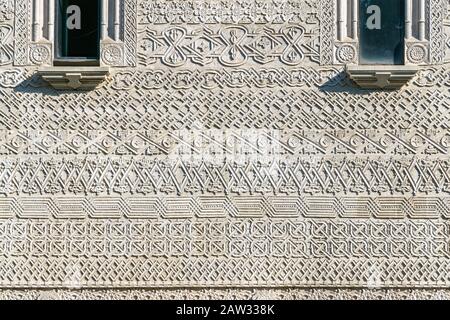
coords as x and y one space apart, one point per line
74 78
381 76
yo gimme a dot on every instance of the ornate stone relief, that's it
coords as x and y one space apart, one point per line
446 31
437 11
6 45
226 294
232 46
424 35
6 10
230 32
227 149
35 37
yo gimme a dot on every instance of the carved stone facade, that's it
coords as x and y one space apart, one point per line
227 149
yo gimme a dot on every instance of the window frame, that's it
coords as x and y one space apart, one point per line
403 39
59 59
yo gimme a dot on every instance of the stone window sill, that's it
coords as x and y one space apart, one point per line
74 77
381 76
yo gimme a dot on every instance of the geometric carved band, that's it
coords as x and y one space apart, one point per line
261 144
125 272
226 294
300 77
285 108
257 206
244 238
320 175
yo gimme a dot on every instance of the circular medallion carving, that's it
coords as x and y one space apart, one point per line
112 55
346 53
417 53
40 54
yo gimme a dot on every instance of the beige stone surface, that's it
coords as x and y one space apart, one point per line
227 152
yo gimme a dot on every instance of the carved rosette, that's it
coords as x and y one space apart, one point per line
417 53
112 53
41 53
346 53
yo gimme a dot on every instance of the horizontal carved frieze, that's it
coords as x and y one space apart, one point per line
233 78
240 238
323 78
227 294
227 12
165 208
321 175
121 272
231 46
216 145
272 108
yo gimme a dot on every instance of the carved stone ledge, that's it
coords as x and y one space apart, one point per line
74 78
381 77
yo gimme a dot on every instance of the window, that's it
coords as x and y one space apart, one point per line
78 32
382 31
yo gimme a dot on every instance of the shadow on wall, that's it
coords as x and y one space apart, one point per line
34 83
342 83
336 83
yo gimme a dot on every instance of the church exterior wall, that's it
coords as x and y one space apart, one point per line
228 154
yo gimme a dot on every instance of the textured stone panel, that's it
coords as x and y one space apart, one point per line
227 149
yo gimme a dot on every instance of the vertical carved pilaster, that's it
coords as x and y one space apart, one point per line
421 21
51 20
22 32
37 17
342 20
408 18
436 14
116 35
327 31
345 50
104 21
130 34
355 19
120 49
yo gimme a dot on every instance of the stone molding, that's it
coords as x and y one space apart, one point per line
74 78
380 76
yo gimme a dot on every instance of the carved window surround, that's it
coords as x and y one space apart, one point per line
35 33
424 43
424 34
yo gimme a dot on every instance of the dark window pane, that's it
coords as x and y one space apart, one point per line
382 27
79 29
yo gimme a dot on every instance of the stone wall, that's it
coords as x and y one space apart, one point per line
228 149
